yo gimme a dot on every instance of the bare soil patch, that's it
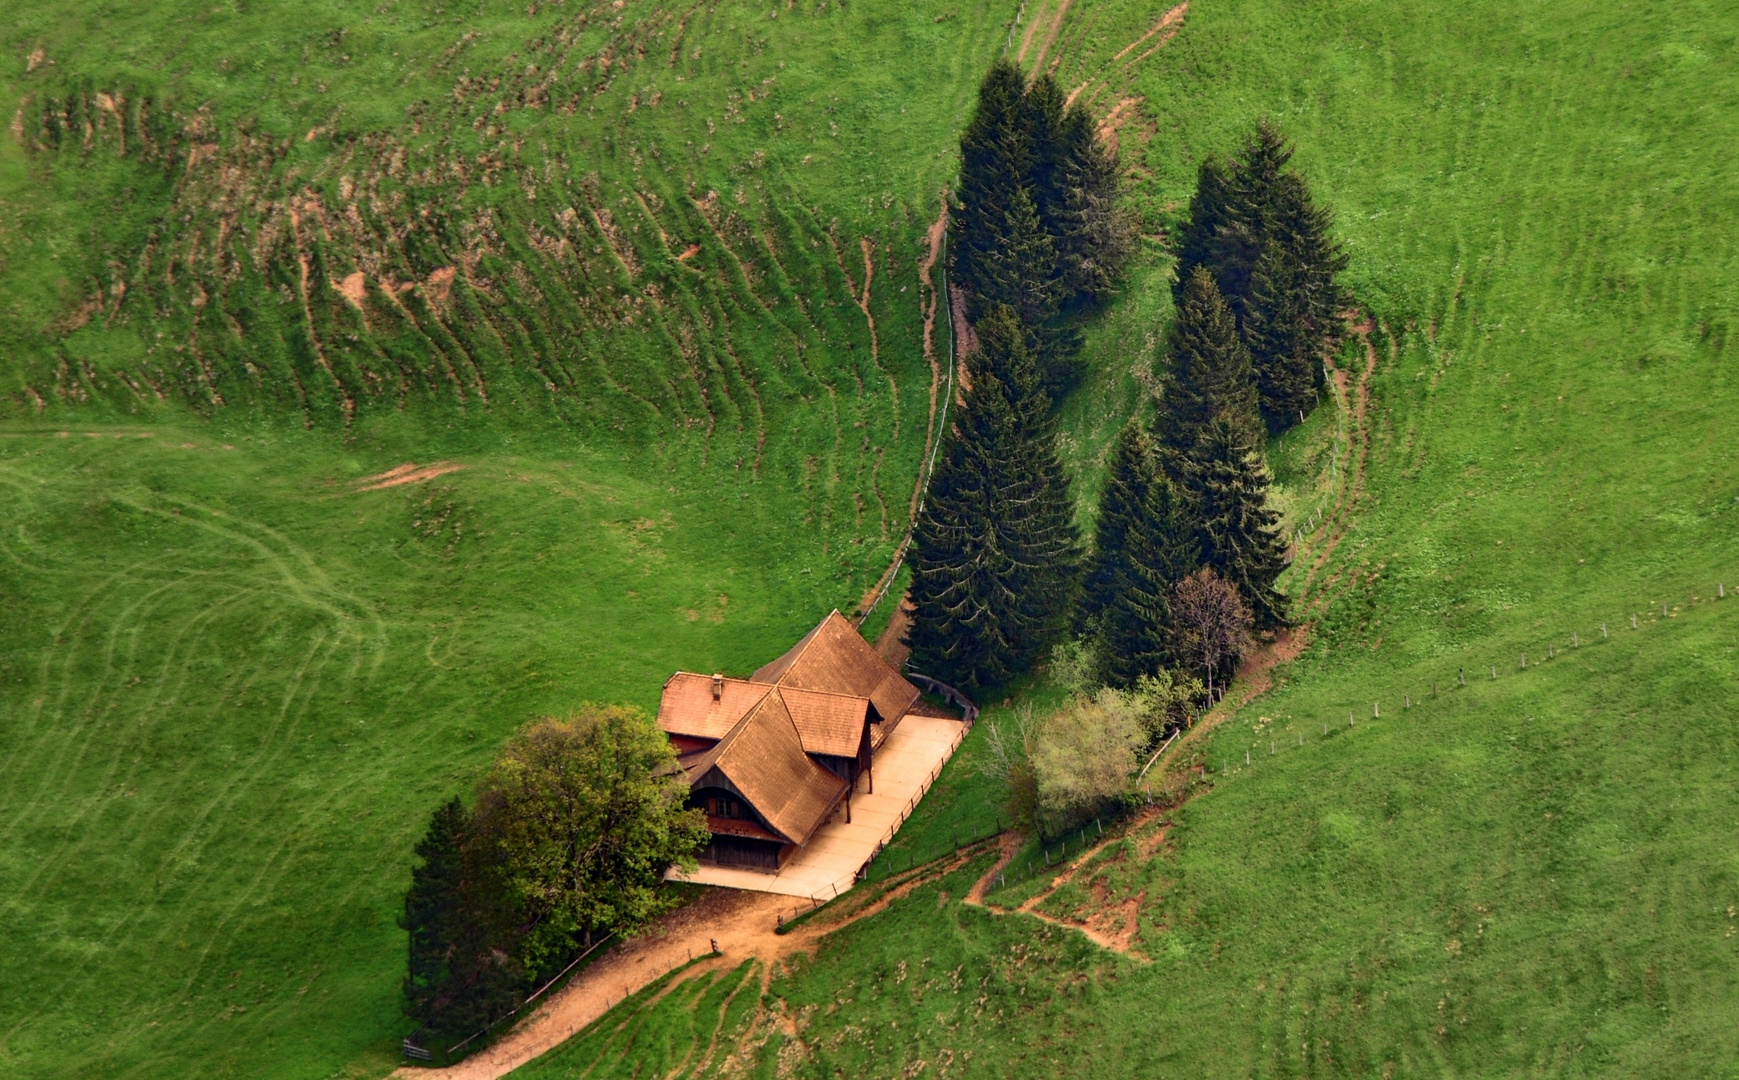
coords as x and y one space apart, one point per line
409 473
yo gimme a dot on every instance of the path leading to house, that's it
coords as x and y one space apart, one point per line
741 924
905 766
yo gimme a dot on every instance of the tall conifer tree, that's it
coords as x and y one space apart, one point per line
1047 137
462 929
1147 543
1304 232
1095 234
1019 272
994 551
1240 534
1283 341
1209 210
995 159
1210 368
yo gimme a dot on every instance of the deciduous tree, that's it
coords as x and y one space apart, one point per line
585 814
1214 620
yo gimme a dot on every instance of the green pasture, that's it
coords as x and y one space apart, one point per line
1532 874
232 685
235 686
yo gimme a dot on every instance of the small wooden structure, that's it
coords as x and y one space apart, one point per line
773 757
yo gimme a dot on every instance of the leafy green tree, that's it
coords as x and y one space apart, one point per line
462 971
1210 369
585 815
1240 534
994 550
995 159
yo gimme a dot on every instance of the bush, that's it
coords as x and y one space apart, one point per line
1082 756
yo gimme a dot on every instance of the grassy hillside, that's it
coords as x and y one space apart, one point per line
1534 874
654 277
233 683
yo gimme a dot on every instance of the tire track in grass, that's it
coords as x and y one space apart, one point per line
1352 402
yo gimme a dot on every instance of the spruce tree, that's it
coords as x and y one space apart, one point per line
1210 368
1047 140
1303 230
464 930
994 550
434 906
1019 272
1284 344
1095 235
1248 220
1131 472
1209 210
1239 533
1159 547
995 158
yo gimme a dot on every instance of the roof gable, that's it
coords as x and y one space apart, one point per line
835 658
827 723
764 759
688 707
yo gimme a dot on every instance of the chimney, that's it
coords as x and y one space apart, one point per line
718 686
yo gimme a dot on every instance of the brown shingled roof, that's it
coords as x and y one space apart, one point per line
763 758
835 658
688 708
827 723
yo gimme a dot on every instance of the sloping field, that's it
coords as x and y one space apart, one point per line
234 682
1532 874
374 378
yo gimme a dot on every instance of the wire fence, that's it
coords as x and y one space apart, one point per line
1405 701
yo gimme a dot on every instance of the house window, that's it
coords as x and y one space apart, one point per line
723 807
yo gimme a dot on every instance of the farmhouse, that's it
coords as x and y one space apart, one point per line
774 757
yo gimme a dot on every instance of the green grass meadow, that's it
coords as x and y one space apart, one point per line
232 685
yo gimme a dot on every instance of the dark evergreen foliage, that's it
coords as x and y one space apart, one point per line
1303 231
1239 533
1209 367
1283 342
1254 224
1019 272
1147 544
1049 151
994 551
1095 234
1036 225
995 158
1209 210
461 972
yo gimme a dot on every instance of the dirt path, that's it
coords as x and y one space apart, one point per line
928 303
744 926
1165 29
